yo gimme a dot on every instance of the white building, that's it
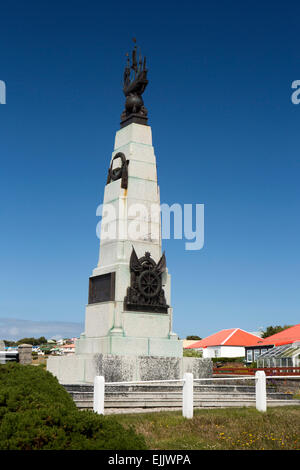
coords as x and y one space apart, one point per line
225 343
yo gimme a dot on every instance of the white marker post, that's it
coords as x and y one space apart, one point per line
99 385
188 396
260 391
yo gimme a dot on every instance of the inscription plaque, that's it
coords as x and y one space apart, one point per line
102 288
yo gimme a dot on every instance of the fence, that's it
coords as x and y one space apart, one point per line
8 356
23 355
269 371
188 390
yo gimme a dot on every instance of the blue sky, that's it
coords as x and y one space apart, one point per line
225 134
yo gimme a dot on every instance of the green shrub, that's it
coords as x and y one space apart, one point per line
36 413
253 365
224 360
30 387
53 429
191 353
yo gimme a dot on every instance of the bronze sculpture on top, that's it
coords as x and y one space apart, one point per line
135 82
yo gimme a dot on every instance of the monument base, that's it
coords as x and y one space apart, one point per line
117 344
82 368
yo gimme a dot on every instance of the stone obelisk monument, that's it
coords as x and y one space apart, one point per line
128 321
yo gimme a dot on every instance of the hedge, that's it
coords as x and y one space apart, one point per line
224 360
37 413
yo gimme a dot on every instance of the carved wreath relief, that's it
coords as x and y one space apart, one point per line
145 292
120 172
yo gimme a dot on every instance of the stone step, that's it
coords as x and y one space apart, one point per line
147 400
178 405
176 395
204 405
119 399
125 390
162 387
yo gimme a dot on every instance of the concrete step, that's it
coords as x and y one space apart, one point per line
178 405
174 395
164 388
145 401
130 398
205 405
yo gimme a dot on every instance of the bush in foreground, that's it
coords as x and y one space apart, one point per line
36 413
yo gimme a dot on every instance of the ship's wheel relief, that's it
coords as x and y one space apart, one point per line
149 284
145 292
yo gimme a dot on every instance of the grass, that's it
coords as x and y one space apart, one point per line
39 360
219 429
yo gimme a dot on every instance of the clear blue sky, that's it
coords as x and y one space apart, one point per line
225 134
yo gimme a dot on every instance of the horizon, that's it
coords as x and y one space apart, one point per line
225 134
11 328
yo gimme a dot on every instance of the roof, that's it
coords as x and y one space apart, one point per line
230 337
283 351
288 336
188 342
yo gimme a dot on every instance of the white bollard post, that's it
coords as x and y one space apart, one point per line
188 396
99 385
260 391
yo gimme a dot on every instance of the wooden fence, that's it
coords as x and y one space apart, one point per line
269 371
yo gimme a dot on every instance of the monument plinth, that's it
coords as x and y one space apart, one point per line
128 320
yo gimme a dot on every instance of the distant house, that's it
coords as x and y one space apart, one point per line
225 343
67 348
262 345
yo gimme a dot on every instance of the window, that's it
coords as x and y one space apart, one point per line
249 355
256 354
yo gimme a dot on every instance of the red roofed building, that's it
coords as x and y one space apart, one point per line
289 336
67 348
225 343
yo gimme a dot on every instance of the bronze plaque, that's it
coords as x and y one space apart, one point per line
102 288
